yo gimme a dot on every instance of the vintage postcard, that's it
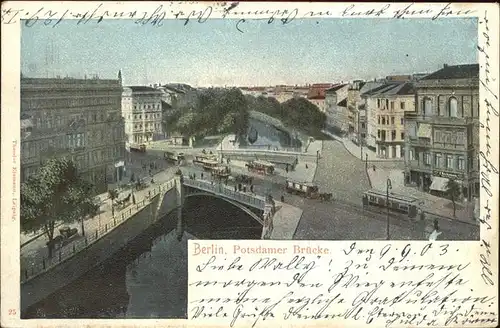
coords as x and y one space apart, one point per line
246 164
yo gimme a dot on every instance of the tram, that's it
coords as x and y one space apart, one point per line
397 203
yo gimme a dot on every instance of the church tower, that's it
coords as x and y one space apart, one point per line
120 77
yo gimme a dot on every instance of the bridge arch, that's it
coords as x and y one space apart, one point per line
232 202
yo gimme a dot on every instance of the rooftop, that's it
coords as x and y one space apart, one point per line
141 88
455 72
337 87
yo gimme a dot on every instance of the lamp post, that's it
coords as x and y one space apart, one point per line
389 187
366 161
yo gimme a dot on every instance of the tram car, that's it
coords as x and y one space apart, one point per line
221 173
307 190
201 159
173 157
397 203
261 167
209 165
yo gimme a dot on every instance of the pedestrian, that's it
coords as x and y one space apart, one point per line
152 181
286 168
202 175
307 166
194 176
436 225
149 193
244 188
133 199
282 198
235 188
251 189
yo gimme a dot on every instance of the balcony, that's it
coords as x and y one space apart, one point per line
444 120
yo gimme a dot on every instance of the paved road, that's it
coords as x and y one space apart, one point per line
344 175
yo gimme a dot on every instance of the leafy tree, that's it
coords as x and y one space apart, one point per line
113 194
301 113
453 191
57 193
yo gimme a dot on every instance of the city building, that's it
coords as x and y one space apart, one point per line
442 134
337 121
316 95
391 105
374 102
142 111
78 119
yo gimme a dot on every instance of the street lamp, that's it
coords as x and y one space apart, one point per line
366 162
389 187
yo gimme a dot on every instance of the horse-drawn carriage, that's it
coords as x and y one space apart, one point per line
307 190
261 167
123 202
174 157
66 234
242 178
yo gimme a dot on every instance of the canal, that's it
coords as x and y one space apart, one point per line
148 278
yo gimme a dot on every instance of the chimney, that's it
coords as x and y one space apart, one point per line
445 65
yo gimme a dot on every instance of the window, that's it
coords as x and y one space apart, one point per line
383 120
437 160
402 105
402 136
392 105
378 102
402 121
427 159
453 107
392 120
393 135
379 120
386 103
412 154
427 107
461 163
378 133
363 126
363 135
449 162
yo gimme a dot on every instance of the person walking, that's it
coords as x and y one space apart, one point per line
202 175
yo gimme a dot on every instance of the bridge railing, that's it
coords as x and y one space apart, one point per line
222 190
40 265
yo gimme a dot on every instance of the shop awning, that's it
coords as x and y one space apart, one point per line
439 183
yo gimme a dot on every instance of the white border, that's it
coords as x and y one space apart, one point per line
10 138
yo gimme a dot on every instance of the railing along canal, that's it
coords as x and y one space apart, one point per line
38 266
222 190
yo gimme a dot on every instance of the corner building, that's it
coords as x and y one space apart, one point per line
71 118
442 134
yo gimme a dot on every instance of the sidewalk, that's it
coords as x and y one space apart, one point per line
39 239
355 150
431 204
285 221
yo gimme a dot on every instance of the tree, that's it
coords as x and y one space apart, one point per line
302 114
453 191
112 194
57 193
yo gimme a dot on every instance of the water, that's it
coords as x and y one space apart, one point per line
264 134
148 278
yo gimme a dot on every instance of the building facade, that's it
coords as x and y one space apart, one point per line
79 119
142 111
337 120
391 106
442 134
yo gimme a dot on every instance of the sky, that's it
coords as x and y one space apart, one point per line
216 53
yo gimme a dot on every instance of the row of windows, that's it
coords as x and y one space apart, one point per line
35 104
384 120
381 134
147 126
71 141
49 121
452 108
147 106
440 160
146 116
386 104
